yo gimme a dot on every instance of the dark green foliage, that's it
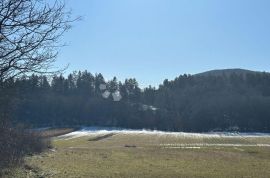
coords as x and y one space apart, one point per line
203 102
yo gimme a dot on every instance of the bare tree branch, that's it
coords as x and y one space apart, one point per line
29 35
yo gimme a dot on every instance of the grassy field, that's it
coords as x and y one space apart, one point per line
142 155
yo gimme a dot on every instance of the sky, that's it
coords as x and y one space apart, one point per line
153 40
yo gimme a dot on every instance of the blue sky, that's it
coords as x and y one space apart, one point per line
156 39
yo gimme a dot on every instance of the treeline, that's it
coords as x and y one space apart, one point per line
238 101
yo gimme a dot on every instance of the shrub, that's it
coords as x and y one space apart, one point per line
17 142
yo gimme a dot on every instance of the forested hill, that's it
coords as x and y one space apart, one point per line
227 72
218 100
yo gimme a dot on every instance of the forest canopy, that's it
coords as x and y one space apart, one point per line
222 100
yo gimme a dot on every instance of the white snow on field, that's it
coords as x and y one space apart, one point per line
88 131
212 144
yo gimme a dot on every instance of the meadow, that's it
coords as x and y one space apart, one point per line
151 154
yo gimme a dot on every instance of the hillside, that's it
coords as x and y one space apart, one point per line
230 99
227 72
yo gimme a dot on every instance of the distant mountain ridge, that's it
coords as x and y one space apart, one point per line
228 72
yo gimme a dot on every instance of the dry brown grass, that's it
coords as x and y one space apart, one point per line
55 132
109 157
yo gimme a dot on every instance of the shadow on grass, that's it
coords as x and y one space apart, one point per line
98 138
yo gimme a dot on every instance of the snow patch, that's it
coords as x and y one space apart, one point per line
89 131
213 144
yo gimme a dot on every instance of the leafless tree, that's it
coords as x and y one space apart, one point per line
29 35
30 32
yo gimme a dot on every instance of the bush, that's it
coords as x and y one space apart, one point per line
17 142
